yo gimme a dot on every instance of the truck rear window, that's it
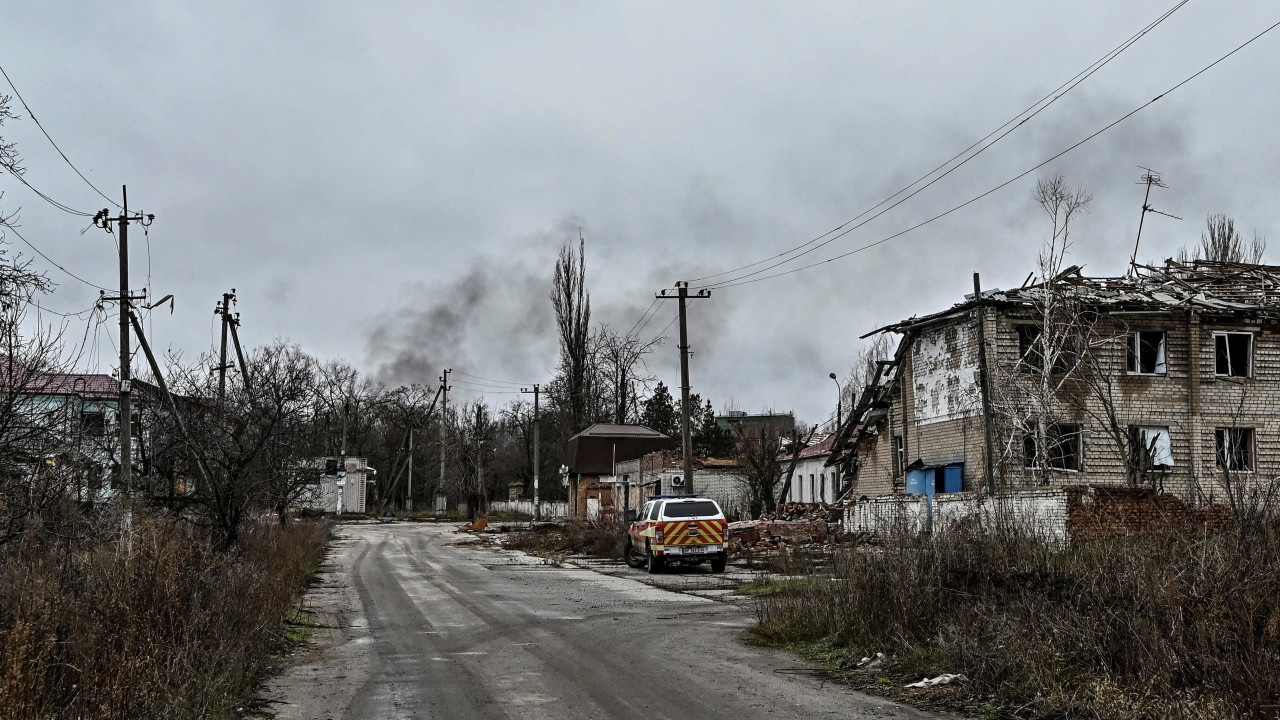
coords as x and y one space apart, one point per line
702 508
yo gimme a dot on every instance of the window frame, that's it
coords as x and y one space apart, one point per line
1142 432
1225 334
899 456
1134 353
1030 355
1028 459
1251 448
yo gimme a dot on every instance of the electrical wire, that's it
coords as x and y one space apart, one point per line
51 142
736 282
477 377
1000 133
632 332
64 208
10 227
485 385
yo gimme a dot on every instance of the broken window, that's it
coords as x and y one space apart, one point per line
899 456
1062 448
93 423
1150 446
1233 352
1030 349
1147 352
1235 448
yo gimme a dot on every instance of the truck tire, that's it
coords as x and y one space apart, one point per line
719 562
655 563
634 559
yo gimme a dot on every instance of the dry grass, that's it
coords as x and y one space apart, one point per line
602 537
146 623
1167 625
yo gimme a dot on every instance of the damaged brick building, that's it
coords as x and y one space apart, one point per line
1167 378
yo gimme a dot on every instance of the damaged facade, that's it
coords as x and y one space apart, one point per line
1165 379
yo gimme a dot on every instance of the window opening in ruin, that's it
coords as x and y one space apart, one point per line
1147 352
1030 352
1151 446
1062 451
1233 351
1235 448
899 456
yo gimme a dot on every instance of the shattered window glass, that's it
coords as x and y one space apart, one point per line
1147 352
1233 353
1235 448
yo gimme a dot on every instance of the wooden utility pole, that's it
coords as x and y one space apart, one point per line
104 220
537 507
984 383
686 435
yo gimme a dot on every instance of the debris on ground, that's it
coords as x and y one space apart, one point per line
944 679
867 663
793 523
478 526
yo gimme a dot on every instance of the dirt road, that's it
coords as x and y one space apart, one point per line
416 623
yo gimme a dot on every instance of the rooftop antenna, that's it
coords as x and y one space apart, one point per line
1150 177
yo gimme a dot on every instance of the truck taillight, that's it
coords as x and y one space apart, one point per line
657 535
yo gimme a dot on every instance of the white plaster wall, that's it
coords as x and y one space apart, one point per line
1043 513
944 366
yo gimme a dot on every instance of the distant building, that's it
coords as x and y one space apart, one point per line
334 489
592 454
662 472
813 481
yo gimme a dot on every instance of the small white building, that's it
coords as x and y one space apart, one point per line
813 482
337 490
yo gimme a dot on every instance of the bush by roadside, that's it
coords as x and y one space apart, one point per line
140 619
600 537
1164 625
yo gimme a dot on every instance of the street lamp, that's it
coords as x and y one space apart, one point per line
839 400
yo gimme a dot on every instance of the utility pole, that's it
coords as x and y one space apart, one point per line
537 507
234 323
223 310
408 501
1150 177
104 220
984 383
685 430
444 418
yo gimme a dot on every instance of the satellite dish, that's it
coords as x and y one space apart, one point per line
677 481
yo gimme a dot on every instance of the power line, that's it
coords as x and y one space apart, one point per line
632 331
15 172
744 281
10 226
1008 128
486 385
477 377
50 139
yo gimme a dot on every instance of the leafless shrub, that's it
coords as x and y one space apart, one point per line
162 626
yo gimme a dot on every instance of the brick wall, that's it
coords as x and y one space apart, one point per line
1188 398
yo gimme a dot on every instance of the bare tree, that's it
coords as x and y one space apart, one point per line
251 450
620 364
572 304
758 447
1221 242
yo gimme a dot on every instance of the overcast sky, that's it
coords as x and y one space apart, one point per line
390 182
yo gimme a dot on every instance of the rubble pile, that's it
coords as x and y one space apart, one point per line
793 524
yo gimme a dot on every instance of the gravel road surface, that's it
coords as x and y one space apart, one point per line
418 622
